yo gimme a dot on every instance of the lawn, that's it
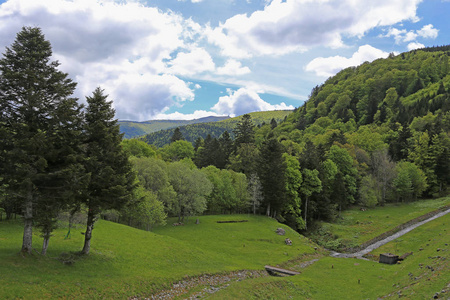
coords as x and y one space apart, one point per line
127 262
356 227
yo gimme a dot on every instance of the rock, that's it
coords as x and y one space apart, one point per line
280 231
197 221
288 242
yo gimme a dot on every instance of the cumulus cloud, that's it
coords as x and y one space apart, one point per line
328 66
286 26
244 101
404 36
121 46
428 31
194 62
415 45
233 68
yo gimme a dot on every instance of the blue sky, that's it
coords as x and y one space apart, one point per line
184 59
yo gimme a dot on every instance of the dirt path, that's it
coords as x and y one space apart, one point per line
378 244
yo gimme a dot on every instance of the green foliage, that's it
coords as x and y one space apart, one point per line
191 187
138 148
410 182
177 150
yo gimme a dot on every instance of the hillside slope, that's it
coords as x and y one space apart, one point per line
133 129
125 262
215 129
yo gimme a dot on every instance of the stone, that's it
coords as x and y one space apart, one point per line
280 231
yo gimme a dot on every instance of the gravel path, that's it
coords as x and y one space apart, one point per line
378 244
211 283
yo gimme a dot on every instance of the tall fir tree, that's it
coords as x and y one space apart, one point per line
244 131
40 129
112 179
177 135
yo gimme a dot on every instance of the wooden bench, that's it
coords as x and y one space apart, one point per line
274 270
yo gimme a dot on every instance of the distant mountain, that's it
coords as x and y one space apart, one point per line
133 129
192 132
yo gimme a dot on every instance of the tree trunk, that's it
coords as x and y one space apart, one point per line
45 244
306 213
88 234
268 210
28 223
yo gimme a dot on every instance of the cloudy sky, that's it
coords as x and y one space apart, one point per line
184 59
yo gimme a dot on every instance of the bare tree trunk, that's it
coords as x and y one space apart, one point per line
28 223
45 244
306 213
88 234
268 210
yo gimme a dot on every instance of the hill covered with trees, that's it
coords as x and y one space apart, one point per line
132 129
192 132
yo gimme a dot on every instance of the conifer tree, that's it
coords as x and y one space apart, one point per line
40 129
244 131
112 179
177 135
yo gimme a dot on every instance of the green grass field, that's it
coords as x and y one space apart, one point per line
419 276
356 227
126 262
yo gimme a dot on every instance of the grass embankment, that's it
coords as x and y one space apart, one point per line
127 262
419 276
356 227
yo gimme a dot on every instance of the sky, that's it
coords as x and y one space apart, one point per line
187 59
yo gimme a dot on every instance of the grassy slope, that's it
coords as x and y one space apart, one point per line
357 227
126 261
337 278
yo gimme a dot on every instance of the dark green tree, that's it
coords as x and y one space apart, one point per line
244 131
112 179
271 171
40 132
177 135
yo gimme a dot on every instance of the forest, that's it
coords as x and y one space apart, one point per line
370 135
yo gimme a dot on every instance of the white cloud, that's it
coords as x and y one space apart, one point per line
428 31
191 63
415 45
233 68
121 46
329 66
244 101
403 36
286 26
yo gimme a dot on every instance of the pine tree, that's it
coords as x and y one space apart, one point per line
112 179
244 131
40 129
177 135
271 173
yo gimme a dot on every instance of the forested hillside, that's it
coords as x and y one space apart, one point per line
375 133
194 131
133 129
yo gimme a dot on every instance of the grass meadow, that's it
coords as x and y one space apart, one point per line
419 276
126 262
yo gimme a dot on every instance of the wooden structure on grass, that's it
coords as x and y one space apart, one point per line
275 270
